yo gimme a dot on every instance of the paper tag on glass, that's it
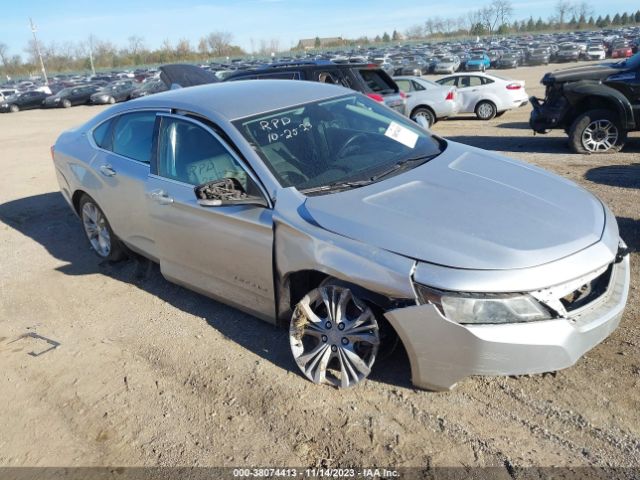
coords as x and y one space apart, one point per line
402 134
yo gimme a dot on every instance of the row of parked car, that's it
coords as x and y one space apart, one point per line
77 91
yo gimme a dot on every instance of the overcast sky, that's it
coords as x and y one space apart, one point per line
247 20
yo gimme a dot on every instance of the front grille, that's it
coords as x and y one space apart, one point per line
587 293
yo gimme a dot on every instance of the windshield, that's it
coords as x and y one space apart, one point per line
348 139
631 63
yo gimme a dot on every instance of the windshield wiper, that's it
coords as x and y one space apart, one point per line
337 186
401 165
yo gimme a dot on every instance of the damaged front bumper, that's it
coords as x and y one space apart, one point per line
442 352
545 117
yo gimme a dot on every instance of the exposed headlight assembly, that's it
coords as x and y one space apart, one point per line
484 308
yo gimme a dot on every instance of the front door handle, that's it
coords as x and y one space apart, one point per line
161 197
107 170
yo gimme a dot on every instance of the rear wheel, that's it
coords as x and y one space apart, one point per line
66 103
14 108
597 131
334 336
425 113
98 231
485 110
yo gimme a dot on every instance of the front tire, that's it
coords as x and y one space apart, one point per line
14 108
597 131
334 336
424 112
485 110
111 100
98 231
66 103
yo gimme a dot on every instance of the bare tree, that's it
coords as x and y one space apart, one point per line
183 49
136 45
562 8
503 11
582 9
219 43
3 54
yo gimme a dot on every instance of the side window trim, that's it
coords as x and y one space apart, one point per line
210 131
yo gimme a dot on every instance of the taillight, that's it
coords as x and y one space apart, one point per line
402 95
450 95
514 86
53 148
375 96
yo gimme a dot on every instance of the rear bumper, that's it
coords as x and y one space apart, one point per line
443 352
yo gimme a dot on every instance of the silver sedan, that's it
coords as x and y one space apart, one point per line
315 207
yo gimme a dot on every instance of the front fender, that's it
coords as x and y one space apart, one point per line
301 244
577 91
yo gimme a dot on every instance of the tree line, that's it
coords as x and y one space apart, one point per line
77 56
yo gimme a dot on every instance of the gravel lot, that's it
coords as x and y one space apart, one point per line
149 373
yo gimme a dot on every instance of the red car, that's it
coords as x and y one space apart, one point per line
622 51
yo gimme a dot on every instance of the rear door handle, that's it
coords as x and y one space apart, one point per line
107 170
161 197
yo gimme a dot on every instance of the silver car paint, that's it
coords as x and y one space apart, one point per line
462 218
441 351
434 96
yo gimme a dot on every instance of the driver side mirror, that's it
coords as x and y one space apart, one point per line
225 192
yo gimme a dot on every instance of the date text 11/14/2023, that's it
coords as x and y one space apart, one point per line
315 473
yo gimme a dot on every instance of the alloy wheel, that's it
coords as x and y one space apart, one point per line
600 136
334 337
95 227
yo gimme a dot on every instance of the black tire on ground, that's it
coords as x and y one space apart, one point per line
112 100
597 131
424 112
66 103
485 110
117 250
14 108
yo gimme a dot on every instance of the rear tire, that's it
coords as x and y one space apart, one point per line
98 231
66 103
485 110
597 131
424 112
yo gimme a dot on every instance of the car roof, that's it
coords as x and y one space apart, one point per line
233 100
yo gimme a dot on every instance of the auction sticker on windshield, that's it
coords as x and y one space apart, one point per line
402 134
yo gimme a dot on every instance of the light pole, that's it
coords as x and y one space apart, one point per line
35 39
93 69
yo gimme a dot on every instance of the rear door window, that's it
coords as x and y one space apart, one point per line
101 134
133 135
376 81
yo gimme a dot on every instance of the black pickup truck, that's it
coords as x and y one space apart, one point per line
596 105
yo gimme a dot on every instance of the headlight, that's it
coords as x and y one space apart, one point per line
56 99
489 308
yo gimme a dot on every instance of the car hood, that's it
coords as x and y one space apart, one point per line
467 208
590 72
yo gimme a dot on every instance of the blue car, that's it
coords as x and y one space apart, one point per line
478 62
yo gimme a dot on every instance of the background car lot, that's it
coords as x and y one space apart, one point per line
150 373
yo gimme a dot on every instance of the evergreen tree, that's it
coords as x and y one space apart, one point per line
591 21
377 39
616 19
624 19
530 25
539 25
386 38
395 36
582 21
607 21
637 16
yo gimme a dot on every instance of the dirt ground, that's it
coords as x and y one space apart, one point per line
148 373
